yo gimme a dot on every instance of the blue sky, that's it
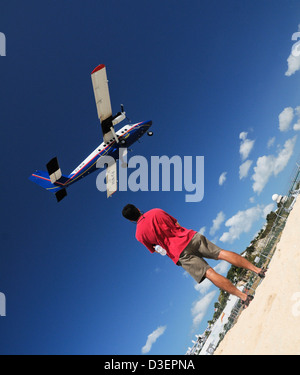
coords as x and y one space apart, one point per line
211 75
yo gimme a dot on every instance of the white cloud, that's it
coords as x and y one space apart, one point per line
296 126
271 141
217 223
242 222
244 168
186 274
200 307
262 172
203 287
202 230
284 155
293 64
152 338
243 135
269 165
222 178
270 207
221 268
285 119
246 145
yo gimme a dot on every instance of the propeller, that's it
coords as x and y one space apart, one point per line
122 111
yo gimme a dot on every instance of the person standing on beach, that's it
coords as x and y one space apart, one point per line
187 248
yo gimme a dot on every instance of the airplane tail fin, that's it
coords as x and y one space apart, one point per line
53 180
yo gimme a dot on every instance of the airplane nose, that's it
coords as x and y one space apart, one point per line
143 128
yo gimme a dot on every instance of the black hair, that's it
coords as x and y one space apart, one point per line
130 212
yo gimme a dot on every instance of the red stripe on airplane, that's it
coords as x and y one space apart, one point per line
99 67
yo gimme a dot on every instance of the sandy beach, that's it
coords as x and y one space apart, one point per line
271 323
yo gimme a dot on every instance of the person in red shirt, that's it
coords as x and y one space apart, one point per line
186 248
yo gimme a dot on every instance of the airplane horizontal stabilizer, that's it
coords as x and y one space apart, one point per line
60 194
53 180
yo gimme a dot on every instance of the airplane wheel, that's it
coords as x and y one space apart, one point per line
150 133
123 142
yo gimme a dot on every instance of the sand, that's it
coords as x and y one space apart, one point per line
271 323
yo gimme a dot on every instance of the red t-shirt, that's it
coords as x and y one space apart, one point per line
156 227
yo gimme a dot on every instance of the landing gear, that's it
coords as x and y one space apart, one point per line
150 133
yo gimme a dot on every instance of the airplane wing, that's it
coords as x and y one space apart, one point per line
100 86
102 98
107 120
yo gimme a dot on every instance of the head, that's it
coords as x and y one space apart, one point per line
131 213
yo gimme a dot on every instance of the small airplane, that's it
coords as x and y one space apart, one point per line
54 181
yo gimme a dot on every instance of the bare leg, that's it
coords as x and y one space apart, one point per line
237 260
224 284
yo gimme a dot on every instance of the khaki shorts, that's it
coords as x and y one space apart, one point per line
191 257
